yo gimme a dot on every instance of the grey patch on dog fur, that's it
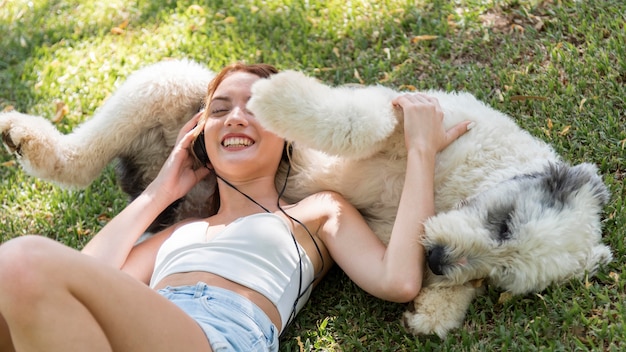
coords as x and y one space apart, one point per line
559 183
498 221
562 181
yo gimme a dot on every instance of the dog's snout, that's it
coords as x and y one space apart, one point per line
436 259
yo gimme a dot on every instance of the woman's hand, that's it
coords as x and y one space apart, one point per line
178 176
423 123
114 242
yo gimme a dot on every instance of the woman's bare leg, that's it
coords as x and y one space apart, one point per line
55 298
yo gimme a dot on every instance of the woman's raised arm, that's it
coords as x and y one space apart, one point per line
114 242
394 272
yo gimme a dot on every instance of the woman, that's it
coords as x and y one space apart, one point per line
234 280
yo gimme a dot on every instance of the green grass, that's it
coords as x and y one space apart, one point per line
557 67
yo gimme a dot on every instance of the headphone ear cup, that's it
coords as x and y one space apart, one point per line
287 151
198 148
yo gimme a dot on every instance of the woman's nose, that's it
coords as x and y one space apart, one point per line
238 116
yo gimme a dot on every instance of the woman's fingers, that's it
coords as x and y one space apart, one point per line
189 126
193 121
457 131
423 121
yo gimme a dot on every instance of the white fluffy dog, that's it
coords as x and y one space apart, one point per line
509 210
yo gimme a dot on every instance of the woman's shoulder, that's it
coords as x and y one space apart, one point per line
325 197
324 203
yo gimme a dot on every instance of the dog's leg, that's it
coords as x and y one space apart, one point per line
34 140
153 103
350 122
600 255
437 310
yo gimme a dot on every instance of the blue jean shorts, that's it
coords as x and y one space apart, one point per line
230 321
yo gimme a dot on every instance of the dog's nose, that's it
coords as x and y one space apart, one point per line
436 261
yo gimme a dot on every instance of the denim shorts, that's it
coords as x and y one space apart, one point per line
230 321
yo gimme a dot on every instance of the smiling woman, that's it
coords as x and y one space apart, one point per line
223 103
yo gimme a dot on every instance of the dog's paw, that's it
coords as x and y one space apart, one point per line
600 255
12 147
288 104
31 139
21 134
296 107
10 142
437 310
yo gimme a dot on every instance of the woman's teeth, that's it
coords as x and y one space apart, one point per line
237 142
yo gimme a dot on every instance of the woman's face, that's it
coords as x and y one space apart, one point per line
235 141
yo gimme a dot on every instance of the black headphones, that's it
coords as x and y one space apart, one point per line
198 148
287 151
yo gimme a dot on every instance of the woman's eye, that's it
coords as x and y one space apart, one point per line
218 111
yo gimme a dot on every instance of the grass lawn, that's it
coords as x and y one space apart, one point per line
557 66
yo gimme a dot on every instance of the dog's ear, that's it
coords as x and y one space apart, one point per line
563 181
598 187
198 149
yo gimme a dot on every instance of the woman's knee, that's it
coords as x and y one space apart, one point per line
26 264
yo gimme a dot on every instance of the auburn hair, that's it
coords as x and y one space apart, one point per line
261 70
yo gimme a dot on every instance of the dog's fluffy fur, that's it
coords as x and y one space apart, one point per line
509 210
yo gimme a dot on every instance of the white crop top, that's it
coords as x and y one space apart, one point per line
256 251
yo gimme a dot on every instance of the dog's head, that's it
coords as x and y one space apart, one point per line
523 234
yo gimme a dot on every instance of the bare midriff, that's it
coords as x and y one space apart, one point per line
192 278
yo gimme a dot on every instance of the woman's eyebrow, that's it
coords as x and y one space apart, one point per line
221 98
